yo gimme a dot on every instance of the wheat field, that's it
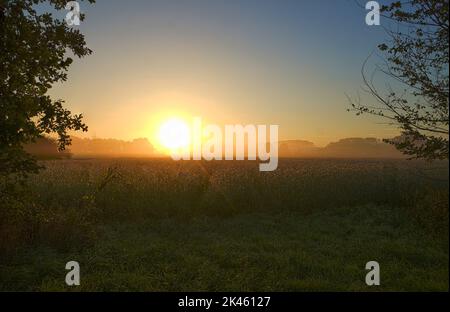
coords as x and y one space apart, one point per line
157 224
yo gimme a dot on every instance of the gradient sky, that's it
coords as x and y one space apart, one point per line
228 61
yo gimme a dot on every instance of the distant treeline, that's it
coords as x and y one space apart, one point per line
113 147
344 148
47 148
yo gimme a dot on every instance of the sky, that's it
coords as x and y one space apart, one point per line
283 62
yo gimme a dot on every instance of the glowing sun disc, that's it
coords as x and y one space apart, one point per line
174 133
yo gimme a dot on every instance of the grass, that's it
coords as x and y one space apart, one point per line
165 226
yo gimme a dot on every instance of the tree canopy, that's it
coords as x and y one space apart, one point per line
36 50
417 59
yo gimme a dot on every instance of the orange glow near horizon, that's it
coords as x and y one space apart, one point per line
174 133
169 130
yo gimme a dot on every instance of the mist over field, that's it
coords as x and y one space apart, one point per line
353 148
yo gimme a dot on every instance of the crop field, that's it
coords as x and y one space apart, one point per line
161 225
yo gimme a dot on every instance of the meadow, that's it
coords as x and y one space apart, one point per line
161 225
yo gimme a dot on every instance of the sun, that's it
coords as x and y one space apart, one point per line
174 133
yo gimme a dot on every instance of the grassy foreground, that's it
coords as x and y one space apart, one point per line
252 236
322 251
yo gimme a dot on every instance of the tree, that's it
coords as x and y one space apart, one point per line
34 55
417 60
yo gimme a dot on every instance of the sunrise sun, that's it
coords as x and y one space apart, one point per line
174 133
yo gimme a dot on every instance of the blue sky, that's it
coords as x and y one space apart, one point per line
286 62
